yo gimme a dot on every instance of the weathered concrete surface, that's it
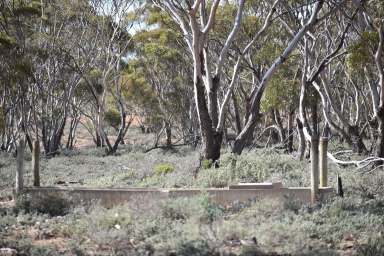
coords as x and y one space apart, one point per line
272 185
114 196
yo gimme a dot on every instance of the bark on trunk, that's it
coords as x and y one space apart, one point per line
302 144
211 139
380 109
256 98
72 133
358 145
280 126
168 133
290 132
237 113
380 134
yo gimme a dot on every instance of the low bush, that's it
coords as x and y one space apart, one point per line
53 205
373 247
255 166
206 164
164 168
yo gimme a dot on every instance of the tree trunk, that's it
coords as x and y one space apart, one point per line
380 109
211 139
254 116
380 134
245 136
237 113
356 140
290 132
302 144
72 133
168 134
315 117
279 123
98 140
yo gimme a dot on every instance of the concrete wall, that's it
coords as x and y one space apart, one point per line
224 196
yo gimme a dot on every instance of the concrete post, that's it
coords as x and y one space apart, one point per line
35 163
323 162
314 168
20 167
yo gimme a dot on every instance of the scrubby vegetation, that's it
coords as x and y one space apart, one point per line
191 94
196 226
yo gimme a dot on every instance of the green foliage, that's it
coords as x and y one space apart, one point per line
164 168
112 117
283 90
53 205
251 167
6 40
126 177
200 207
44 250
156 16
27 10
374 246
206 164
196 225
361 53
194 248
23 68
137 90
94 77
157 77
116 218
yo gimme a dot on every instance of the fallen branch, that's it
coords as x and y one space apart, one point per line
169 146
360 164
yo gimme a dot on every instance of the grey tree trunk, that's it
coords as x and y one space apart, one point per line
290 132
36 163
20 167
314 168
302 144
211 139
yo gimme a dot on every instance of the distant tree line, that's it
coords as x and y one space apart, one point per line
193 72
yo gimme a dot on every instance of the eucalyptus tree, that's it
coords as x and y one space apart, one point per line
324 67
59 35
196 20
112 42
162 65
366 57
17 23
378 104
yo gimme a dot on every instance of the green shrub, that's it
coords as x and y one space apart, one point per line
53 205
115 218
212 211
206 164
193 248
112 117
44 251
200 207
255 166
216 178
374 246
164 168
